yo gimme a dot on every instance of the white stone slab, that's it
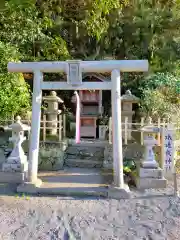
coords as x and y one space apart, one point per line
16 167
150 173
146 183
12 177
149 164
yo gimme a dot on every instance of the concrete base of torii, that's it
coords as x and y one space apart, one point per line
118 192
30 187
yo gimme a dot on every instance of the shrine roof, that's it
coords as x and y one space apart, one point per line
98 76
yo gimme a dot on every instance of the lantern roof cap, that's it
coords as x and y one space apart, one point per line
18 126
53 98
129 97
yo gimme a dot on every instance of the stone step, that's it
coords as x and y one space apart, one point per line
83 163
86 160
57 189
88 143
74 182
83 157
74 190
84 148
88 154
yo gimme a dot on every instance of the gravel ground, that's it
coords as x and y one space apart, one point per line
142 217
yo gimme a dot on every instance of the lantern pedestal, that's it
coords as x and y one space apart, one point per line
150 175
147 183
15 168
149 156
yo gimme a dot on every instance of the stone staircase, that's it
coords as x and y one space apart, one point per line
76 182
84 155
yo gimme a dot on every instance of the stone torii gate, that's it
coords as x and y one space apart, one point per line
74 70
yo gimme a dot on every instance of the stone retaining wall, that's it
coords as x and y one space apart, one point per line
51 155
133 151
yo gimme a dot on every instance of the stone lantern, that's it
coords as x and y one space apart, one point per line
150 175
149 140
17 160
52 111
128 99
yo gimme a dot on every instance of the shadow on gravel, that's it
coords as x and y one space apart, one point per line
63 197
8 189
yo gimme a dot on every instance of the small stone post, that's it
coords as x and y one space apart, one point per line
17 161
52 111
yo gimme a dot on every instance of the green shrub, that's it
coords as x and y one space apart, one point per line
160 96
159 80
14 92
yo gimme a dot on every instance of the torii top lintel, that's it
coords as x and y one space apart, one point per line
85 66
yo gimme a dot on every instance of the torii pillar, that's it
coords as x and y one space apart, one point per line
74 70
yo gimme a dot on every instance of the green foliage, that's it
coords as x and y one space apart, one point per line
128 165
14 92
161 79
30 33
93 29
7 54
97 20
14 95
161 99
154 104
146 29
